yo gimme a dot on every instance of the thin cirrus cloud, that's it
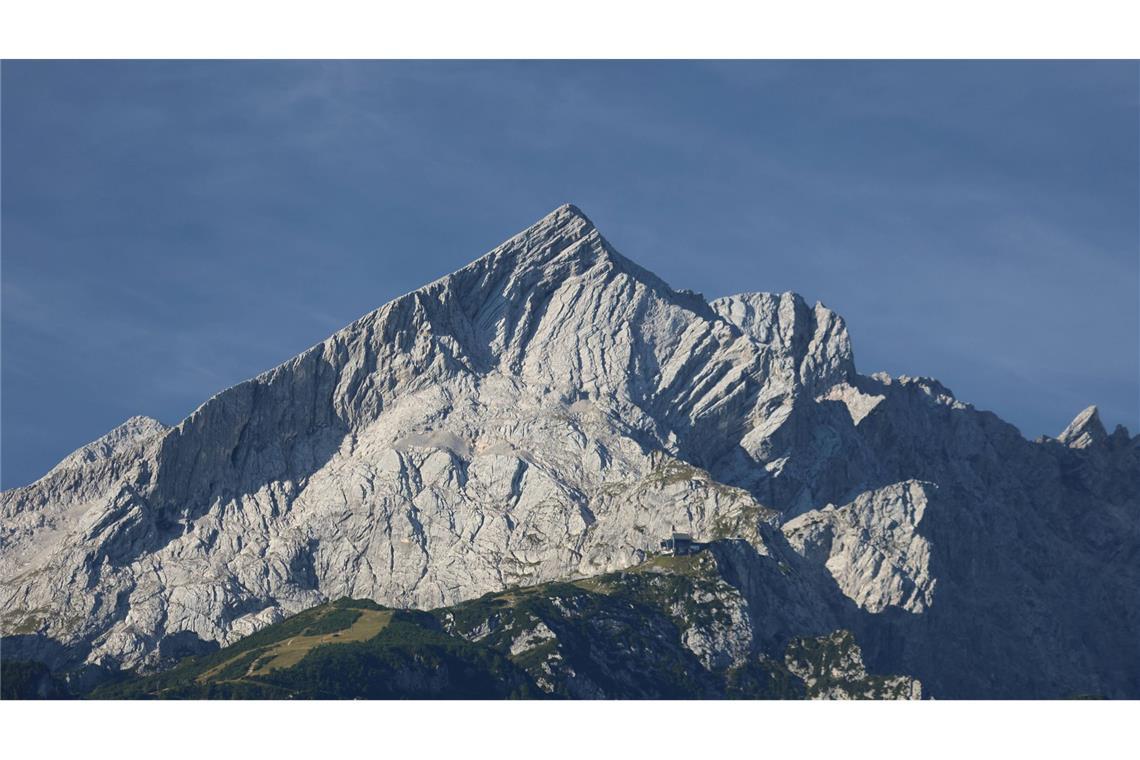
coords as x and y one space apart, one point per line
172 228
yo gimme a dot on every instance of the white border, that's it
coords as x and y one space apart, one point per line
578 29
568 29
577 730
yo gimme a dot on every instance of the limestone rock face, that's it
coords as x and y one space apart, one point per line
873 547
809 346
552 411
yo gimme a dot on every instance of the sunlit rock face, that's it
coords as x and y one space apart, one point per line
872 547
552 411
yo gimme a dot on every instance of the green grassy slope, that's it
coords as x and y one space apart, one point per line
408 657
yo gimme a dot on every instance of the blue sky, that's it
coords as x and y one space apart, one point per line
172 228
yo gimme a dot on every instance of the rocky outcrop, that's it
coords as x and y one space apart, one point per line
671 627
551 411
1085 430
872 547
831 667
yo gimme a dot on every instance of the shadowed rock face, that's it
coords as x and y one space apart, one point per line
551 411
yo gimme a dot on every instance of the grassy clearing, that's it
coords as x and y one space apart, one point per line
594 585
690 564
288 653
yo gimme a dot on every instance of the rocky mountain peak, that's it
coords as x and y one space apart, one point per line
551 411
119 439
814 339
563 243
1085 430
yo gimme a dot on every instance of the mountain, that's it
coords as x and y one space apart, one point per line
549 413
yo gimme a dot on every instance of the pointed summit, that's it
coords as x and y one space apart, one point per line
565 229
567 218
570 210
1085 430
562 244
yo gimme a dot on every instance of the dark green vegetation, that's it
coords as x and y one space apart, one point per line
670 628
408 657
